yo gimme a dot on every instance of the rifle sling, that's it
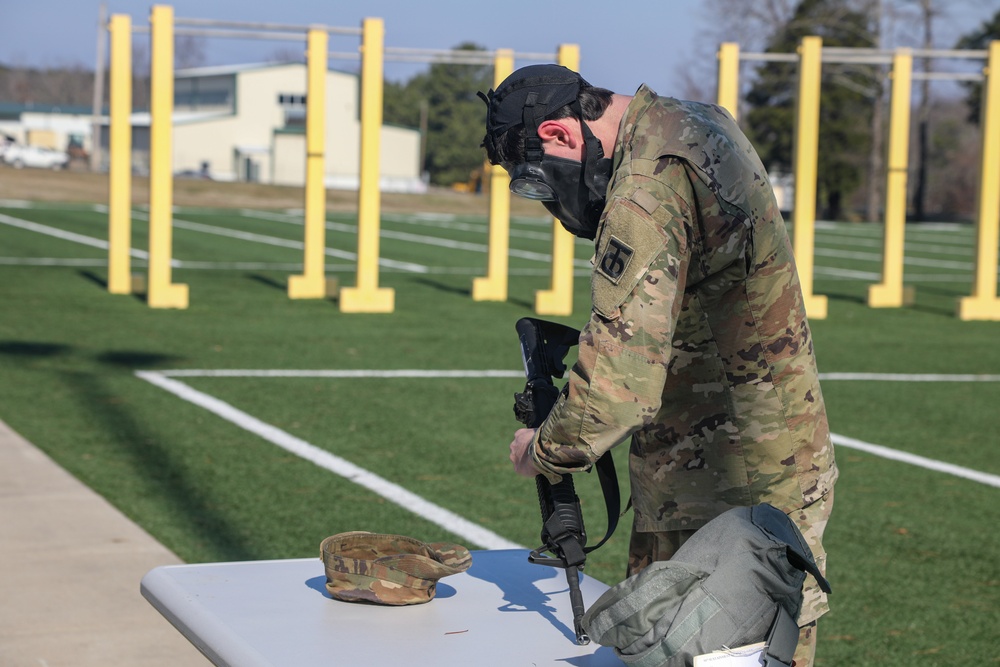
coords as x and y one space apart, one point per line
612 496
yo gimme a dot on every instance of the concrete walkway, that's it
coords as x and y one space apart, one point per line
70 566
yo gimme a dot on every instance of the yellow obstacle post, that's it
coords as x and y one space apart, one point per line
366 296
558 300
983 303
728 93
312 284
120 156
891 293
493 287
161 292
806 161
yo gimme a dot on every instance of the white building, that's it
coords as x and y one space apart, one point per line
247 123
46 125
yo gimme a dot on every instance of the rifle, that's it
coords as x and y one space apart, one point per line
544 345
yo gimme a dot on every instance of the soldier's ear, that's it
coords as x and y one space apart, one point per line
559 133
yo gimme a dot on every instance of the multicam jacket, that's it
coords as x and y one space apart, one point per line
698 345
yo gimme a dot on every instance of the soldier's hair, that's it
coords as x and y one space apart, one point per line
510 145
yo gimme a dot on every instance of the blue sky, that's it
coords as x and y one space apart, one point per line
623 43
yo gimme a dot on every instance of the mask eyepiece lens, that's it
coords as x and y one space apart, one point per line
531 189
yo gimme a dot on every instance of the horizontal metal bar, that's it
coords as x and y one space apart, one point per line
487 55
771 57
952 53
443 57
240 34
844 54
403 50
947 76
439 60
276 27
856 60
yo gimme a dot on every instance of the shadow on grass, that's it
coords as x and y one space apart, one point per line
444 287
940 305
127 359
94 278
150 459
153 458
848 298
21 348
269 281
137 294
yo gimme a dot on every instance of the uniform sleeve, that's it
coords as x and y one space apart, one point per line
616 384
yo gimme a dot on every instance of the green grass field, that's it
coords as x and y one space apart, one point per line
914 550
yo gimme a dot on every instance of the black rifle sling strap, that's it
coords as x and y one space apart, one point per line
612 496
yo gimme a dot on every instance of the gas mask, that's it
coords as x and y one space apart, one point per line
574 192
563 188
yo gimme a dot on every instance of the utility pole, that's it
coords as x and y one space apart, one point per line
875 161
98 101
928 13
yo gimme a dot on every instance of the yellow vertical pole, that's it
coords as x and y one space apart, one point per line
366 296
983 303
558 300
161 293
806 160
120 156
493 287
312 283
891 293
728 94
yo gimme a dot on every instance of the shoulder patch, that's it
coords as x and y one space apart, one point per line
627 245
614 262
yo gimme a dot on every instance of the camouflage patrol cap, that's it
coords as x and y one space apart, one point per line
388 569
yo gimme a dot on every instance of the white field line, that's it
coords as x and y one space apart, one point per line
869 276
914 247
408 500
51 261
289 243
908 261
910 377
452 224
360 373
848 274
942 233
161 378
417 238
63 234
913 459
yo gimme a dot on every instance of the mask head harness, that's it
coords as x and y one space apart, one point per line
572 191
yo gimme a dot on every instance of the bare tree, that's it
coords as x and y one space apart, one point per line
287 54
189 51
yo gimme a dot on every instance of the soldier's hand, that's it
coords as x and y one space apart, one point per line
520 452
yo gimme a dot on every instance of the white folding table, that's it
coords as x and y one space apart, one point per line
502 611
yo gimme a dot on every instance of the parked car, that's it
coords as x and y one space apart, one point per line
35 156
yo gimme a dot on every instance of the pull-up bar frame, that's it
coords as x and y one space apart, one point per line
983 304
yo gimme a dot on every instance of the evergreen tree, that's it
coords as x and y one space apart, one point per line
456 117
845 101
978 39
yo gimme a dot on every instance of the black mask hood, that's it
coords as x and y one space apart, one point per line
574 192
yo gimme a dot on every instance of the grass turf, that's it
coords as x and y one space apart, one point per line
913 557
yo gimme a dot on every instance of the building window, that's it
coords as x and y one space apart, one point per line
294 107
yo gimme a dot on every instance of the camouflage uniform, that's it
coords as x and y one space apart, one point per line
698 345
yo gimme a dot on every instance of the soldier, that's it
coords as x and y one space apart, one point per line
697 348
